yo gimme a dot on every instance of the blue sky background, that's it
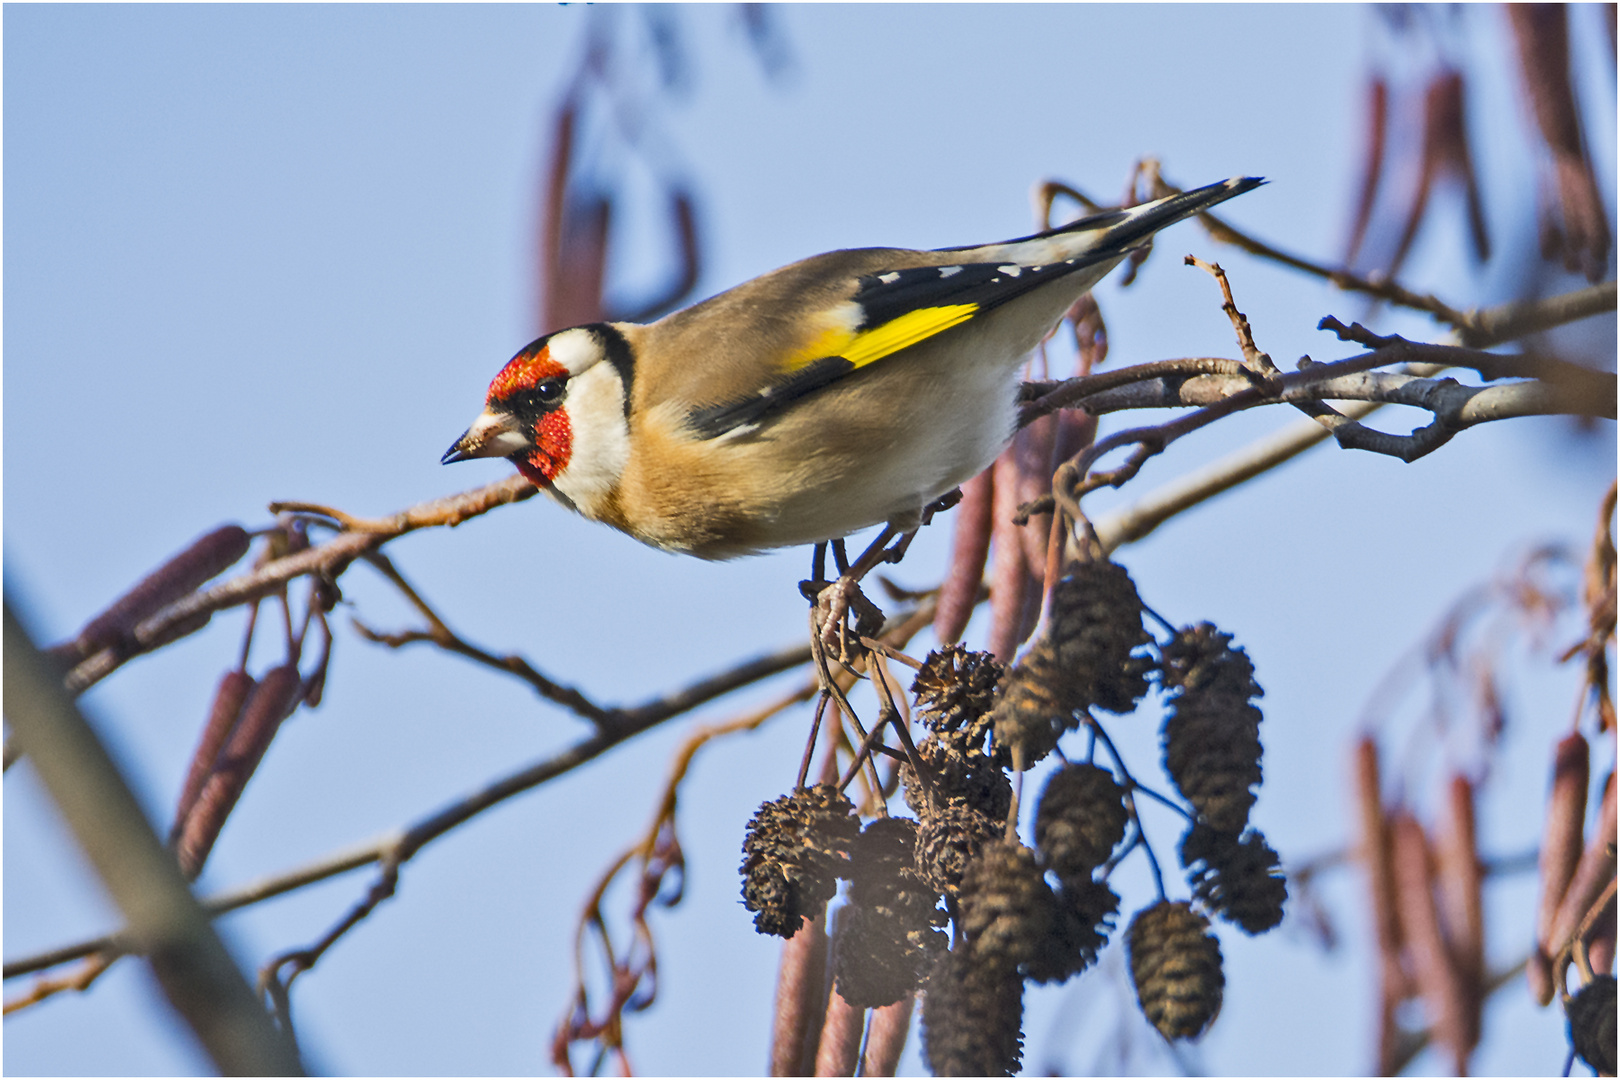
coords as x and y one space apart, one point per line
277 252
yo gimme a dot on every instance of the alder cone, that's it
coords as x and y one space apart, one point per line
887 935
955 690
1592 1024
1007 907
1080 927
1034 708
1176 965
948 839
1080 820
972 1018
1239 878
1212 735
873 962
1096 620
960 795
1085 658
956 772
794 850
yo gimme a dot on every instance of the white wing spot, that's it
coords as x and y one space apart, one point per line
1010 271
889 278
948 271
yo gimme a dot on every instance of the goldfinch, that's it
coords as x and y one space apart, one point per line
849 389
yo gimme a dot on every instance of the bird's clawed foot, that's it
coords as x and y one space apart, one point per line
842 615
834 602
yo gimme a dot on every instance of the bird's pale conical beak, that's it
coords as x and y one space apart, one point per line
493 434
457 452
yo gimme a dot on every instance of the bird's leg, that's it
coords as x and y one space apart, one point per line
835 600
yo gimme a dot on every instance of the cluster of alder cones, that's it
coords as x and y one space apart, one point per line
1017 913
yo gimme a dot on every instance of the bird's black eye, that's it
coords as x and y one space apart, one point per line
532 402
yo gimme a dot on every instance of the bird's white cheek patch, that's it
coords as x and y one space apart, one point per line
576 350
601 438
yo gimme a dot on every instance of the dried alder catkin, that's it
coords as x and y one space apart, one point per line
1096 620
794 850
1212 734
1033 709
888 933
960 796
1084 658
972 1017
954 773
1176 965
1237 877
1080 819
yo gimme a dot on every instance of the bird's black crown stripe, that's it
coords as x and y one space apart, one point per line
617 350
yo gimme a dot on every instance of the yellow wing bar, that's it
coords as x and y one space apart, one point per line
880 341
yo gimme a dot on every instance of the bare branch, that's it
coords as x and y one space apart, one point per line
1509 322
1479 328
1496 324
324 561
253 892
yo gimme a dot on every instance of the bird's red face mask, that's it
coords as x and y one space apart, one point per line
523 418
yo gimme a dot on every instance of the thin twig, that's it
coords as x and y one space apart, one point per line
253 892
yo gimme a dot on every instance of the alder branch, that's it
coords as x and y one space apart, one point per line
1041 397
1374 285
1509 322
1371 285
1139 519
254 892
1573 389
324 561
